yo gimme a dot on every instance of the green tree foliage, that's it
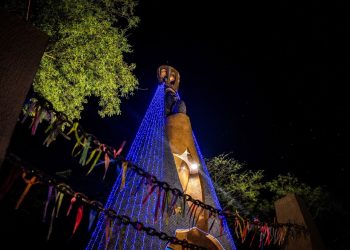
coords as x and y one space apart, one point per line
85 54
251 193
315 197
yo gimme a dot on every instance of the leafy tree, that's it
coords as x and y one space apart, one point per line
251 193
315 198
85 54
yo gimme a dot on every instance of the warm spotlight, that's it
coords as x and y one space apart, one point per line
194 168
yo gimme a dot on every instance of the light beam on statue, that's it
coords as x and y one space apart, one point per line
194 168
184 149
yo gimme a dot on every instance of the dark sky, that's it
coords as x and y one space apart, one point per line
264 81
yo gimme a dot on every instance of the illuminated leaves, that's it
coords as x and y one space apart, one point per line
248 190
85 55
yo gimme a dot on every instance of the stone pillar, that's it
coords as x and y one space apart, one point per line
21 49
291 209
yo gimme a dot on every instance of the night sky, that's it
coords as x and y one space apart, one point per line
263 81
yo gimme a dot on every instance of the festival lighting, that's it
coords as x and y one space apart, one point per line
206 175
147 152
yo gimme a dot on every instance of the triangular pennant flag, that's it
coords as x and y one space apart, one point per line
72 201
49 198
124 168
78 218
59 200
30 183
107 160
92 217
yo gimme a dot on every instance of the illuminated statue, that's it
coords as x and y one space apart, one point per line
182 145
165 147
171 78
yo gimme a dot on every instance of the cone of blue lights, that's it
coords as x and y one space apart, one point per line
151 150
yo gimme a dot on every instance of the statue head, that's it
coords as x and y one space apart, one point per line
169 76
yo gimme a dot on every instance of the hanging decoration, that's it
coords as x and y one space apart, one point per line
124 168
49 198
82 146
93 213
87 146
51 223
63 190
56 127
30 182
86 142
78 218
266 234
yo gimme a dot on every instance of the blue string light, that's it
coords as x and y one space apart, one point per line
147 151
212 192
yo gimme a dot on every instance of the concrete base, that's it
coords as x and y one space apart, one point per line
198 237
291 209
